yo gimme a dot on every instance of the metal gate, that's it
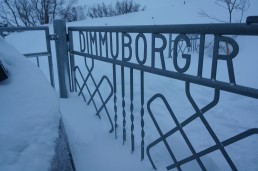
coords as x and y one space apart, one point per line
141 49
134 52
47 53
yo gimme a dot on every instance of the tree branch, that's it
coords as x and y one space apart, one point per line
205 14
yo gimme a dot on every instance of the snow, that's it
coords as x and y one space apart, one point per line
171 12
93 148
29 115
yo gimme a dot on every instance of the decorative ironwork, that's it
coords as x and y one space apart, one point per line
77 69
115 98
179 127
123 103
133 39
199 114
96 91
182 48
131 109
142 115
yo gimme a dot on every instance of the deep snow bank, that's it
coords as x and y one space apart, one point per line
29 115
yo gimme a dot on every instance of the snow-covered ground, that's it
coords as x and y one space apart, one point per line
29 115
95 149
92 146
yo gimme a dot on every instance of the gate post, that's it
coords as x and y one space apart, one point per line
62 57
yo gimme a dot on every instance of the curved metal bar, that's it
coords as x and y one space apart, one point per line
81 88
208 127
162 138
89 75
104 102
225 143
184 123
89 72
76 68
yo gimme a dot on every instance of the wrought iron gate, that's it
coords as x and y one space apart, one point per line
134 49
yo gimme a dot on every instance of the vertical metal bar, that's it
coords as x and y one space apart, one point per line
170 46
115 98
72 62
193 43
190 49
231 74
62 57
142 115
214 59
123 103
201 55
131 109
50 60
37 58
87 40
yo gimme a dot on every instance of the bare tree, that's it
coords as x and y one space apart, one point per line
81 12
8 13
238 6
25 12
126 6
101 10
48 10
67 11
34 12
242 7
120 7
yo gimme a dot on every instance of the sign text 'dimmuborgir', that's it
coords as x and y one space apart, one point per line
116 44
